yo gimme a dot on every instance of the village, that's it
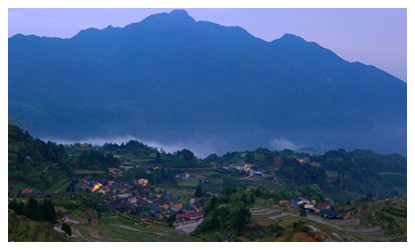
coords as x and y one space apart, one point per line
136 197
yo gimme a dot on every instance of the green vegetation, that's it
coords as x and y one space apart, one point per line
35 211
67 229
96 160
228 213
35 163
24 229
391 214
227 217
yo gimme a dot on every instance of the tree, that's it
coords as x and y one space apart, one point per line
18 208
242 218
158 157
303 213
199 191
32 209
67 229
48 211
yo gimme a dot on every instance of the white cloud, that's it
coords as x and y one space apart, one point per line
281 144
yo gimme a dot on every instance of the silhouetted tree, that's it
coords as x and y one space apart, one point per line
67 229
303 213
199 191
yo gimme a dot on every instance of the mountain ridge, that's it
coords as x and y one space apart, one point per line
165 77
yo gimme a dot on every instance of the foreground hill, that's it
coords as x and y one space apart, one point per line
23 229
94 188
169 77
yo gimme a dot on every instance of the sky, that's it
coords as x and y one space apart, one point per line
374 36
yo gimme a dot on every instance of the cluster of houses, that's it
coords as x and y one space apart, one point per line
157 206
241 166
306 160
109 187
187 218
135 197
116 171
322 209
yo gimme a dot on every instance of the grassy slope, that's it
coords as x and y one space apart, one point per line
23 229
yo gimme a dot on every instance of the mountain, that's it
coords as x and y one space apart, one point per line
169 78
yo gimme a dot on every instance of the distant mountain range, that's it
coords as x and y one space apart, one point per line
169 78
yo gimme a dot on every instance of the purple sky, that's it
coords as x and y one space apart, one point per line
372 36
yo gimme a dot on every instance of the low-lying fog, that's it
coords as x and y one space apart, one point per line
318 142
200 149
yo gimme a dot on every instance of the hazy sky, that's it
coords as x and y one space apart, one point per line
372 36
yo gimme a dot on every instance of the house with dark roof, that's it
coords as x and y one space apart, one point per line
187 218
143 203
324 205
190 209
155 208
174 209
120 205
258 174
173 202
329 214
163 203
182 176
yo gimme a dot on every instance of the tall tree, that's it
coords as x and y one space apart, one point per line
303 213
67 229
199 191
32 209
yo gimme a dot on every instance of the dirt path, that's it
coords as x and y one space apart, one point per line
251 173
282 215
309 217
188 228
264 211
67 219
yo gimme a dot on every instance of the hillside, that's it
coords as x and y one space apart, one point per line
24 229
170 78
126 193
337 174
33 163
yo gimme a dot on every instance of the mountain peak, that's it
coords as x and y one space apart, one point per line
174 17
179 12
291 37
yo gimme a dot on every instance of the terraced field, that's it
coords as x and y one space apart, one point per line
328 230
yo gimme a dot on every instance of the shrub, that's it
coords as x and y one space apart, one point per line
67 229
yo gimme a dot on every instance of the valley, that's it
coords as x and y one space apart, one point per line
132 192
